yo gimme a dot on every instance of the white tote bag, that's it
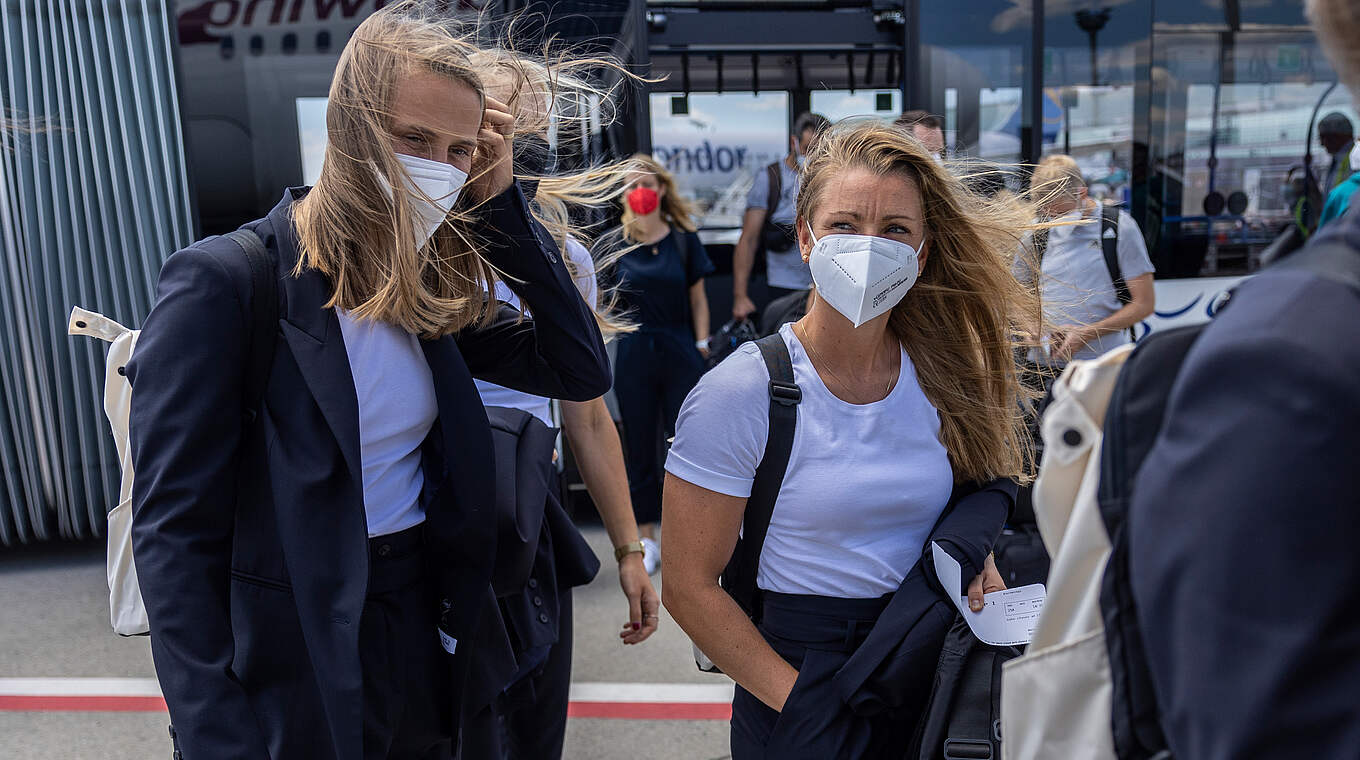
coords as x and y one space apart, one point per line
127 613
1056 699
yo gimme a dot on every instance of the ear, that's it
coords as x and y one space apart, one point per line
804 237
921 255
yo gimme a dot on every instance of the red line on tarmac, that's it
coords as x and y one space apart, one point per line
607 710
25 703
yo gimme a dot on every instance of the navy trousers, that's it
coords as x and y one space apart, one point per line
816 635
653 372
406 686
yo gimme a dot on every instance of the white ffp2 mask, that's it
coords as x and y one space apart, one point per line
862 276
432 190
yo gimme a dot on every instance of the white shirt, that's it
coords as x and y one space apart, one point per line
865 482
583 274
397 408
1076 286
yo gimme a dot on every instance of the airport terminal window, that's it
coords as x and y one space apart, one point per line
1231 115
1094 53
715 144
973 59
843 104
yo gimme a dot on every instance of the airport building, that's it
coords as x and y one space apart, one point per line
137 126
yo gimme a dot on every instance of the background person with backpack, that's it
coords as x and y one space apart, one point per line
1242 526
768 223
1095 279
658 269
836 447
314 472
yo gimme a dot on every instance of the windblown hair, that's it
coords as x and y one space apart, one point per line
674 208
544 97
959 322
1056 176
1337 25
355 230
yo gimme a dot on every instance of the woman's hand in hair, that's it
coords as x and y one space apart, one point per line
492 169
986 582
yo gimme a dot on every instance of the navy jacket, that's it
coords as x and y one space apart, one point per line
251 541
1243 526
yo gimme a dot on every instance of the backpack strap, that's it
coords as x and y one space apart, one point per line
1109 239
264 317
1109 244
740 576
776 178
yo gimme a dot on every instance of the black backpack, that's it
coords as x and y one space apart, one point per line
963 717
1133 421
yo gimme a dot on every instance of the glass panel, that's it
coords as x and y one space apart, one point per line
715 144
312 136
973 57
1231 115
843 104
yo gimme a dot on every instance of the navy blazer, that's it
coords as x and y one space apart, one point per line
1243 524
251 540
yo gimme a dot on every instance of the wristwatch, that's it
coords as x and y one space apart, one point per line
629 548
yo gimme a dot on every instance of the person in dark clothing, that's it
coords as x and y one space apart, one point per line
659 278
315 564
1242 527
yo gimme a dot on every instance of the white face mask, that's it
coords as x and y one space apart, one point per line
437 181
862 276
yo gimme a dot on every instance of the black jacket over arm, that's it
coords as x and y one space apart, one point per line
1243 525
251 540
894 667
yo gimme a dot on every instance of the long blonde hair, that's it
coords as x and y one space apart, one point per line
959 322
359 234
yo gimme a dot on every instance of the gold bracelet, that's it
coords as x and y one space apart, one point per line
629 548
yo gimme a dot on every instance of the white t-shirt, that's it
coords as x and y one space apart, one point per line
783 269
583 274
1076 286
864 485
397 408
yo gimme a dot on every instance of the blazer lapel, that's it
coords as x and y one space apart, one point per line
313 333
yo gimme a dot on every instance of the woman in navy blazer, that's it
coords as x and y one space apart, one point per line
280 627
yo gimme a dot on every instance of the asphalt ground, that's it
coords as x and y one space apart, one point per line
54 626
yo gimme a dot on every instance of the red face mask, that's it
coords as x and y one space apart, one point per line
643 200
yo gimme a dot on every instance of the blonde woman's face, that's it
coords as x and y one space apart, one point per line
436 118
861 202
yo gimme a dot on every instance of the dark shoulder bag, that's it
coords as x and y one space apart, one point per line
775 237
739 577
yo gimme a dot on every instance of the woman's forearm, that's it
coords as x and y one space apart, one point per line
722 631
698 306
595 442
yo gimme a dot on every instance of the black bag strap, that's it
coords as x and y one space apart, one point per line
1109 240
264 316
776 177
739 579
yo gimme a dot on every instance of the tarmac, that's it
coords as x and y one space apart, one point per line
71 689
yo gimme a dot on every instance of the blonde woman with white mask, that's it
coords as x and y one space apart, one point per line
312 513
907 429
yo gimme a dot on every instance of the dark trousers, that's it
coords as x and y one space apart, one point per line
529 720
653 372
816 635
406 686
